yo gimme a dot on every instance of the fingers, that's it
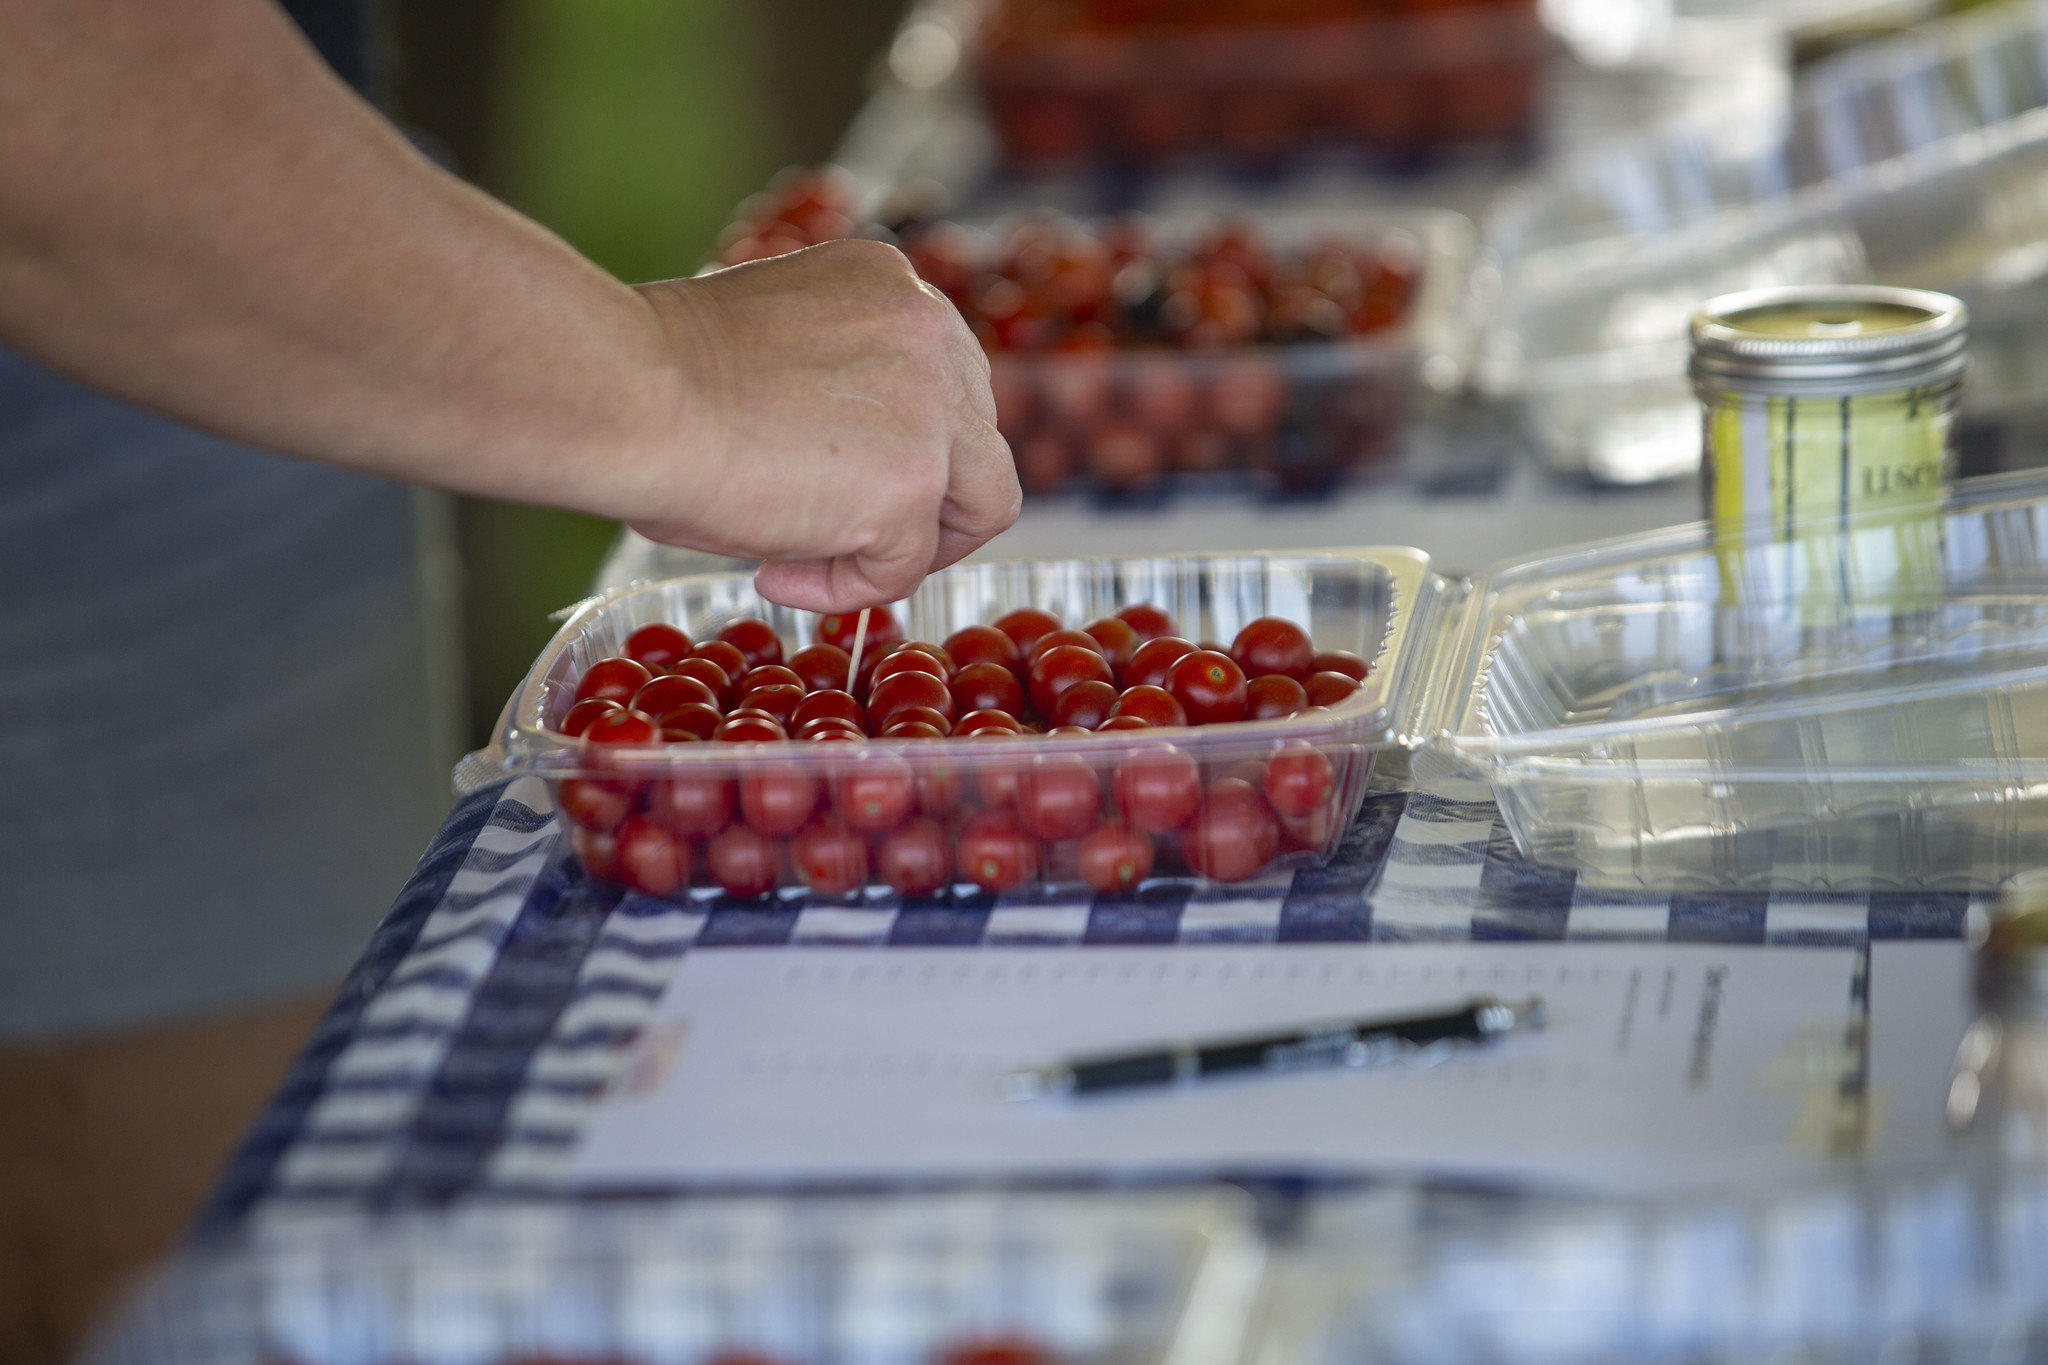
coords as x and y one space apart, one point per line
982 496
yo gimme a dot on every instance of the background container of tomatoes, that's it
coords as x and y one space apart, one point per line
959 789
954 1279
1139 82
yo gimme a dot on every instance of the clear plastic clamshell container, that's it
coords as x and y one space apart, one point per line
1863 706
969 1279
1370 602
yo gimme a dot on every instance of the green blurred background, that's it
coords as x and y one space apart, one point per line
633 128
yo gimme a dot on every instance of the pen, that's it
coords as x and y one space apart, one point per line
1353 1043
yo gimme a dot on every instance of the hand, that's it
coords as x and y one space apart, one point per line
836 422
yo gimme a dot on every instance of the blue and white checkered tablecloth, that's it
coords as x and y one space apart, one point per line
491 1007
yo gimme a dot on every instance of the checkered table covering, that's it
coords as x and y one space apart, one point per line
493 1004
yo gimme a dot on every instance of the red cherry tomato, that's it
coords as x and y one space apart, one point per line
916 859
1084 705
651 858
670 690
754 729
912 687
593 803
1151 661
975 721
583 712
770 675
924 716
972 645
1153 705
935 651
1001 1350
1069 732
940 786
830 857
912 729
1059 797
986 686
1273 644
839 629
1272 697
994 851
755 639
657 646
621 727
1208 686
693 720
1313 832
1123 723
776 798
612 680
1149 621
1299 780
1327 689
744 861
1025 625
1054 638
822 727
1159 789
1234 835
1115 857
779 700
694 805
598 852
1340 661
725 654
1059 668
822 668
908 659
708 672
828 703
1118 640
875 793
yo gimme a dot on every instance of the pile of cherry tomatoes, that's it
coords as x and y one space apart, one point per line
922 818
1125 357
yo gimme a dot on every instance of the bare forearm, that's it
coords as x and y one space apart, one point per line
194 213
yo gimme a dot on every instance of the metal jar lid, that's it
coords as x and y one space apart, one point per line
1829 339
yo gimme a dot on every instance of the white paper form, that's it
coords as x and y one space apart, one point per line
1663 1065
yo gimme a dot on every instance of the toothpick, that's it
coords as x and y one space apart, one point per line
860 639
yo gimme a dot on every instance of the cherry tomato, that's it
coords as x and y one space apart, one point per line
1327 689
651 858
940 786
666 693
1069 732
593 803
769 675
822 668
830 857
912 729
1340 661
694 805
975 721
657 646
1059 797
1054 638
830 727
912 687
986 686
1025 625
1273 644
994 852
620 727
935 651
1208 686
1299 780
744 861
583 712
723 653
1159 789
839 629
919 715
1149 621
875 793
776 798
779 700
1313 832
915 859
828 703
1151 661
997 1350
972 645
598 852
612 680
712 675
1234 835
691 720
1151 704
1085 705
755 639
1118 640
996 782
908 659
1123 723
1115 857
1273 696
755 729
1059 668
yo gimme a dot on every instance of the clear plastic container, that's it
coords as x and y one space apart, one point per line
1864 705
1371 602
1381 77
906 1280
